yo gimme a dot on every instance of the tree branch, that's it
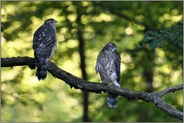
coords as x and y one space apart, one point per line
77 83
171 89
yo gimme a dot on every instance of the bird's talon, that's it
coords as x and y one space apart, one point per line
105 84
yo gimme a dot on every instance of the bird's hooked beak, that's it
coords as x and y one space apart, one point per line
114 49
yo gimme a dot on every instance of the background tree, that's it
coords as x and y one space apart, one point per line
83 28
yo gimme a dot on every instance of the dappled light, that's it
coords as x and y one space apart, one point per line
148 67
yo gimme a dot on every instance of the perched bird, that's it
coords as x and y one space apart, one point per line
108 65
44 42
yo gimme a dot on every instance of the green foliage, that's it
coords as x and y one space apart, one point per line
26 99
173 35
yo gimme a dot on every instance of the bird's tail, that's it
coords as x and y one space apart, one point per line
112 100
41 72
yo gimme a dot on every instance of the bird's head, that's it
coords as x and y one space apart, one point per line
110 47
50 22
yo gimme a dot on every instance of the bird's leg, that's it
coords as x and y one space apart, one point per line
116 83
110 84
106 84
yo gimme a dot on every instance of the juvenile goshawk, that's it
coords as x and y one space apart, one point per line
108 65
44 42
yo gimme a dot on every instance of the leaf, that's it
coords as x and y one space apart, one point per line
163 37
154 44
148 37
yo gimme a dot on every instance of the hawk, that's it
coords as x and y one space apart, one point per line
44 42
108 65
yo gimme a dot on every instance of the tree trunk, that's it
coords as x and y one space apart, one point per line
84 75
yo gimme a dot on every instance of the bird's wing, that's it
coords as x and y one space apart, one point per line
117 65
44 41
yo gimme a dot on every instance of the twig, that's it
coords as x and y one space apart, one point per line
171 89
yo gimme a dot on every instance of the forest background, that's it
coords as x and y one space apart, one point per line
83 28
